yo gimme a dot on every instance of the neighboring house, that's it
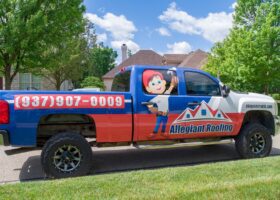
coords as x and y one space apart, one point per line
195 59
142 57
28 81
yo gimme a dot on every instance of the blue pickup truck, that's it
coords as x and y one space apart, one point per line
148 105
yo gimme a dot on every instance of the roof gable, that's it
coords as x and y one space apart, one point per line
142 57
195 59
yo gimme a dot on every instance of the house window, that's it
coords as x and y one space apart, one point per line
27 81
24 81
188 116
36 82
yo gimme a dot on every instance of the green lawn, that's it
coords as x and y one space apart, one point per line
243 179
1 140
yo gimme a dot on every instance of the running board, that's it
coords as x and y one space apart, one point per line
187 144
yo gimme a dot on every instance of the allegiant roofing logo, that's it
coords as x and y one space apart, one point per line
201 119
202 112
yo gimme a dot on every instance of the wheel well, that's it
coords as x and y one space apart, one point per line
263 117
52 124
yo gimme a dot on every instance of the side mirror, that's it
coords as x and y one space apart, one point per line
225 90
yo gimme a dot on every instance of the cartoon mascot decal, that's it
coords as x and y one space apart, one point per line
154 83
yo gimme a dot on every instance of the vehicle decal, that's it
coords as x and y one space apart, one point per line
46 101
202 119
202 112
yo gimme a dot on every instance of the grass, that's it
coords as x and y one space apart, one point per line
1 141
243 179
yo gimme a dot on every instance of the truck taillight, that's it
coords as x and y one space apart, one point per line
4 112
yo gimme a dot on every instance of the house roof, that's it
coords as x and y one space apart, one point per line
195 59
142 57
174 59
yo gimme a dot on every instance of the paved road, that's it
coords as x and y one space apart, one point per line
26 165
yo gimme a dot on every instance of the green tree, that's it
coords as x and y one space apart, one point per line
129 53
101 60
248 59
28 29
246 11
93 82
67 61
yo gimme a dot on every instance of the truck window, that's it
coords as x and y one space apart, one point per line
198 84
121 82
162 82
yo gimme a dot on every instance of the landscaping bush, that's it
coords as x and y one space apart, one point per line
276 96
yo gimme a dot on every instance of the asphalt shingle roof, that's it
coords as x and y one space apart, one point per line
195 59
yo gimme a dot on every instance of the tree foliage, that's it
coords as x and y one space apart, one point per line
93 82
248 59
30 29
102 60
65 62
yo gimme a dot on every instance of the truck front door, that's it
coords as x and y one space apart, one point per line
186 108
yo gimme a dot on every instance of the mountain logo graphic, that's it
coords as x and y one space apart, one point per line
203 112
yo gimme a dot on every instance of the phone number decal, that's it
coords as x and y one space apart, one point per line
23 102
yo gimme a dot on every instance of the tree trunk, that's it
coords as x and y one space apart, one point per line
266 89
57 80
57 85
8 78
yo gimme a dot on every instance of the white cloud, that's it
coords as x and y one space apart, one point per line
233 6
101 37
213 28
179 47
163 31
120 28
179 20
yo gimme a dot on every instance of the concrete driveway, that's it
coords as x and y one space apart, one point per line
26 164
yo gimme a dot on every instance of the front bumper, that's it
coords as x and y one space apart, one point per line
4 138
277 124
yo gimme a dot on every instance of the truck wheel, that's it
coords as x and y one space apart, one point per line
66 155
253 141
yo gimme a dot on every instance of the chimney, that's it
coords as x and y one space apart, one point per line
124 52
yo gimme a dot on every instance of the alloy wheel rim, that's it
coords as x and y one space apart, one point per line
257 143
67 158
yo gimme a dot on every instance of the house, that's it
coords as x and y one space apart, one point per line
195 59
28 81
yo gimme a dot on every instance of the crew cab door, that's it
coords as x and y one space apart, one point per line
201 109
193 108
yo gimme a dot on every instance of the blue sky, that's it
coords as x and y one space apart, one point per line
165 26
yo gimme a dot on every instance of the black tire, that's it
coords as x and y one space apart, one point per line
253 141
69 149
